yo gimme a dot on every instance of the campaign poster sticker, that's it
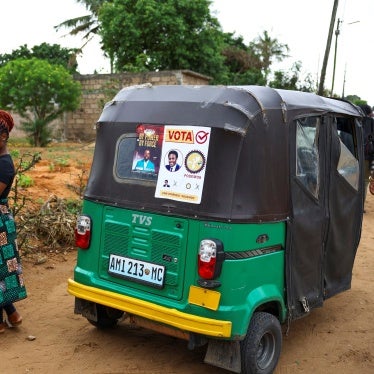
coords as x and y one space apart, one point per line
147 154
183 163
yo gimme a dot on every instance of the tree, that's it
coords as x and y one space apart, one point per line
268 50
290 80
54 54
176 34
161 35
250 64
356 100
241 65
39 92
87 24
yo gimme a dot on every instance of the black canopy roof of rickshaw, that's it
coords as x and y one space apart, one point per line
248 174
235 97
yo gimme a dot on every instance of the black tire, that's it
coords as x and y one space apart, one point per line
260 349
106 317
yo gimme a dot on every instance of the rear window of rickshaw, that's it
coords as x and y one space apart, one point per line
143 166
172 156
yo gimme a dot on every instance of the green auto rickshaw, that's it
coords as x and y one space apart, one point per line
217 214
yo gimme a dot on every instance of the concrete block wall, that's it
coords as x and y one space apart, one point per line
97 89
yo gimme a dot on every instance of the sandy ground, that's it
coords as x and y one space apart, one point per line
338 338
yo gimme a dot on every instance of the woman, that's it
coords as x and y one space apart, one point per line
11 279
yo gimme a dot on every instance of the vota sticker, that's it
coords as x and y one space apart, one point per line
183 163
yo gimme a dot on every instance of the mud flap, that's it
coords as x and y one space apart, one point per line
224 354
86 308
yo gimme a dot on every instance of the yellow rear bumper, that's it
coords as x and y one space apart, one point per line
154 312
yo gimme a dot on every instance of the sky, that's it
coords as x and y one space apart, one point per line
301 24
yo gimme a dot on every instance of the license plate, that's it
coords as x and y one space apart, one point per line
136 270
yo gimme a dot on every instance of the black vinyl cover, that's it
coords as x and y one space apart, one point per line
247 174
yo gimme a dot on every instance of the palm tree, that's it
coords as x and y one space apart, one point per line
268 49
88 24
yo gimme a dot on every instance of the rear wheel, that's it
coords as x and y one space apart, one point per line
106 317
260 350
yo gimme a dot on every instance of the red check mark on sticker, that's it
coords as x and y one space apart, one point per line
202 137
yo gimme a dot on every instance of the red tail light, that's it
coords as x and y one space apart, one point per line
210 258
83 232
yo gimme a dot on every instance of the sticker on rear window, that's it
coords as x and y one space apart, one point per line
183 163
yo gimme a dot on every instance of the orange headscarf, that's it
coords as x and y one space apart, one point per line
6 119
